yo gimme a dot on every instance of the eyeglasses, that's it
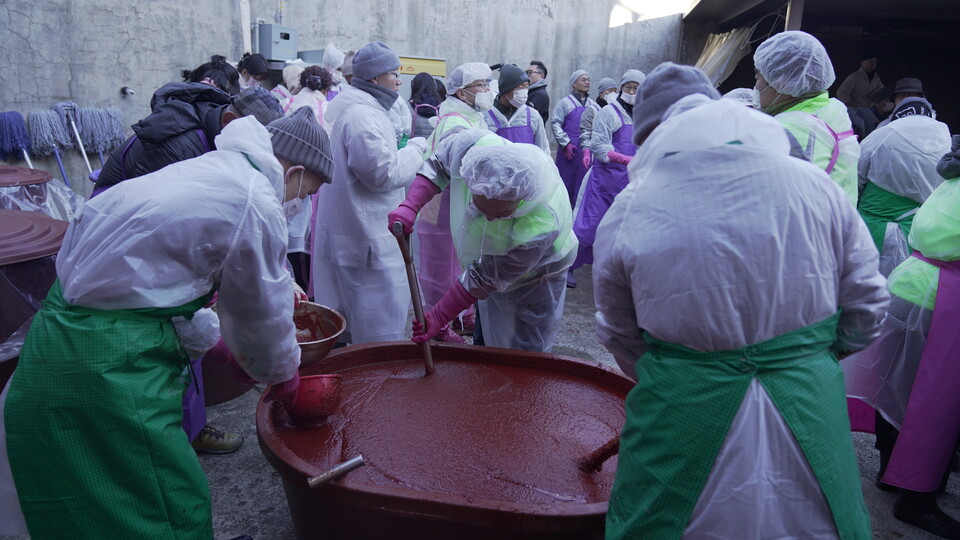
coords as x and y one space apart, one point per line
530 72
481 85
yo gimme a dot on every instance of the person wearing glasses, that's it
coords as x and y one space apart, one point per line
538 98
357 268
469 99
566 129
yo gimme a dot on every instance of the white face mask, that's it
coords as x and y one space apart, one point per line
483 101
519 98
629 99
336 77
295 205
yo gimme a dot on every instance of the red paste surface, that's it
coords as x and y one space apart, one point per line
308 325
482 431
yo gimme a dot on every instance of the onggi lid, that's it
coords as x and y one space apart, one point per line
25 236
20 176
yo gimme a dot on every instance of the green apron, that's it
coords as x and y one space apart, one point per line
93 419
683 405
878 207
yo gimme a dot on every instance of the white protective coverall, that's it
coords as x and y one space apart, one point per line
516 266
694 252
519 119
357 267
605 124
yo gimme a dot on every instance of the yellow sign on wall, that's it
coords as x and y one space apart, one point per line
410 65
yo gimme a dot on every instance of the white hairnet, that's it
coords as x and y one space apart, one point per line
332 58
465 74
505 173
794 63
747 96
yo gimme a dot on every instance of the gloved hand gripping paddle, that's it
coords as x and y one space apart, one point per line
397 229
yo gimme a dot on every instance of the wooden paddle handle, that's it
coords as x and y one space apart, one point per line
397 229
594 461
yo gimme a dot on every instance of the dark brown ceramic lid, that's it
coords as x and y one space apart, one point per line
20 176
25 236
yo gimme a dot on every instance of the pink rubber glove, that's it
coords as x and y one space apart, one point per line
421 191
453 302
587 159
568 151
286 392
617 157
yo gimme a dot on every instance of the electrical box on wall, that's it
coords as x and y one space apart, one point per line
278 42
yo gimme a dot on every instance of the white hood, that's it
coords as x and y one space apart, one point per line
248 136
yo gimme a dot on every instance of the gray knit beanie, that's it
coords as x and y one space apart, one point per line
663 87
299 139
606 83
632 75
510 77
373 60
576 75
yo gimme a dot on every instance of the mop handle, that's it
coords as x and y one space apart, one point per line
397 229
76 133
26 158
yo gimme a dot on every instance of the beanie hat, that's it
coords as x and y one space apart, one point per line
510 77
299 139
632 75
374 59
606 83
662 88
257 102
576 75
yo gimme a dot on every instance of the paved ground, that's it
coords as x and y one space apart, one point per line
248 498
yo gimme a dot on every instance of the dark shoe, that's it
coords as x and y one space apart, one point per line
571 281
214 441
921 510
883 486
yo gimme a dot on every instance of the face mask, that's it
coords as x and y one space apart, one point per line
629 99
295 205
336 78
483 101
519 98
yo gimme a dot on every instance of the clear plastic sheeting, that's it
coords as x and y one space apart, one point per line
52 198
722 52
902 156
23 287
794 63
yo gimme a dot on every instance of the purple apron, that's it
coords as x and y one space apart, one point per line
517 134
931 423
331 94
194 406
572 171
606 181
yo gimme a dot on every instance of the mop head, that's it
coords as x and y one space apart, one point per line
46 132
13 135
61 110
114 133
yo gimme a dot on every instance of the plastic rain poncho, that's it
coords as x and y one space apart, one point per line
897 172
439 267
882 375
516 266
822 127
714 245
522 117
125 251
357 267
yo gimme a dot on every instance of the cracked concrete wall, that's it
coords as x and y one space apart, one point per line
84 51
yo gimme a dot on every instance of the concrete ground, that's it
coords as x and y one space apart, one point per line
248 498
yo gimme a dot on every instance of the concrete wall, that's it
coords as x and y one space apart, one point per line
86 50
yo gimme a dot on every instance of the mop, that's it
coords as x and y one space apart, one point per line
14 138
100 129
47 135
67 112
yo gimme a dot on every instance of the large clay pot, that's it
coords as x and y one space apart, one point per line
484 448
